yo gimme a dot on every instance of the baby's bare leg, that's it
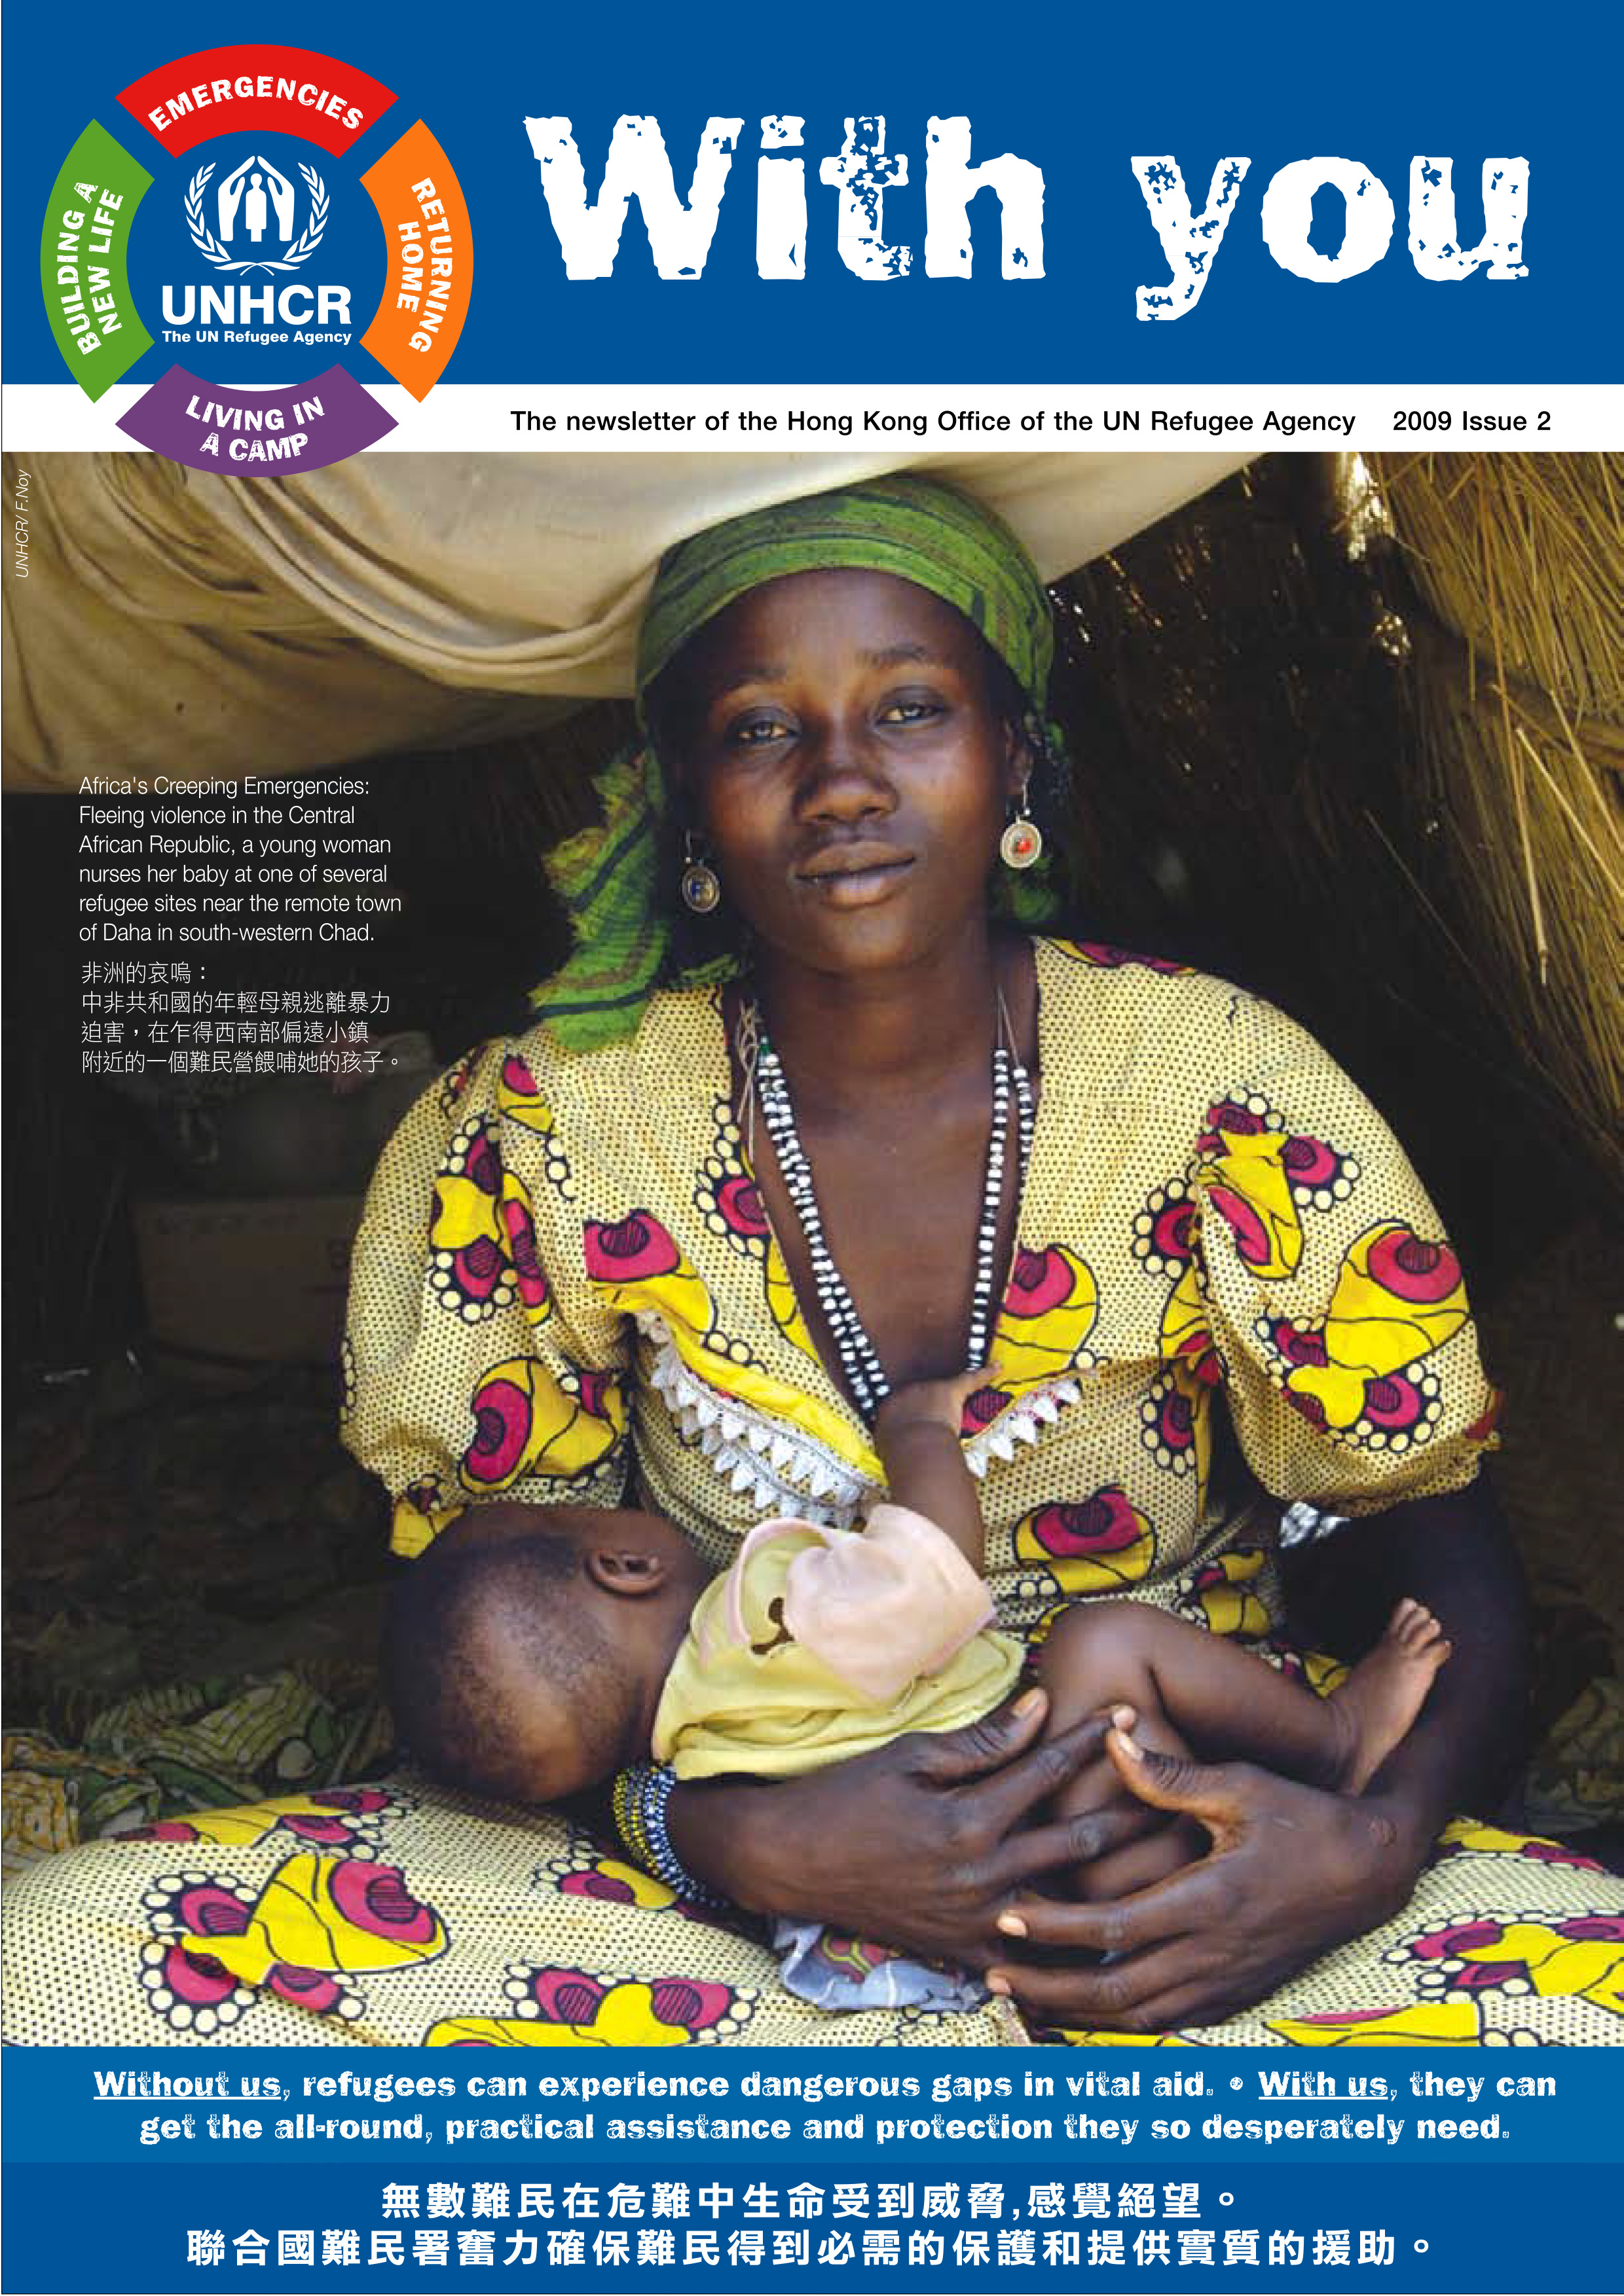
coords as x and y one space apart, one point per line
1215 1693
1186 1684
1095 1657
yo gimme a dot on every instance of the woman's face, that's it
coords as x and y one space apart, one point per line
837 738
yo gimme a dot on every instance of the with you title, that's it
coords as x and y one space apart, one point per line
861 173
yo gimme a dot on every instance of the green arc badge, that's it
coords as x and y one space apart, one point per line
84 268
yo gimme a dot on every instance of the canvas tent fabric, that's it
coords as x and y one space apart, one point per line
182 623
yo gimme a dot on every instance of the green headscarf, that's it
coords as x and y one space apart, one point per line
918 528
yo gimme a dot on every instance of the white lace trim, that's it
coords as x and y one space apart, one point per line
1023 1423
788 1471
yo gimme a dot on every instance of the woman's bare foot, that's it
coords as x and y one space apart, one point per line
1386 1691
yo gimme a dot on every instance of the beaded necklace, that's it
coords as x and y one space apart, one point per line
764 1079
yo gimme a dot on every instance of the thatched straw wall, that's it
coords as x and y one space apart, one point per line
1518 566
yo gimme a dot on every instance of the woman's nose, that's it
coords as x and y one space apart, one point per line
843 779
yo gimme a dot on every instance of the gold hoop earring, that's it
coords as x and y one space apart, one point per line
701 886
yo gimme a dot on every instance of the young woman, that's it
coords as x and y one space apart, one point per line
680 1240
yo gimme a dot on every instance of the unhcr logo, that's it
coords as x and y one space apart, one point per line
245 221
258 202
284 131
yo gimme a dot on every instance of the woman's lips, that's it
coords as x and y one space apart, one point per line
852 878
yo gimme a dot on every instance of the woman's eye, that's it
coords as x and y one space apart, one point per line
751 733
910 709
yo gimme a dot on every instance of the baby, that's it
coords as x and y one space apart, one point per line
581 1640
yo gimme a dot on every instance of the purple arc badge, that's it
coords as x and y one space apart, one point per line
215 426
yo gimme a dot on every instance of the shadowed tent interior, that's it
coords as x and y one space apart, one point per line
1352 734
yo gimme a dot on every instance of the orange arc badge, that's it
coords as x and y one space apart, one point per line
430 261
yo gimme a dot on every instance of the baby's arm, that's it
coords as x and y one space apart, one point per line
916 1433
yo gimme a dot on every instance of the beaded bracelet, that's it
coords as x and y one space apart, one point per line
639 1802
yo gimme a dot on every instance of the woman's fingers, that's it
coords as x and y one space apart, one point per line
957 1757
1009 1796
1005 1778
998 1758
1171 1843
1179 1985
1192 1902
1183 1905
1059 1847
1291 1871
1214 1794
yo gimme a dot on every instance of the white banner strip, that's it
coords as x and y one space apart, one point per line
494 418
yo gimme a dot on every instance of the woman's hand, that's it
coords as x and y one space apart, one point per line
1291 1873
921 1845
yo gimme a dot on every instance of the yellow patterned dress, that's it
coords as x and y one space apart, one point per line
565 1264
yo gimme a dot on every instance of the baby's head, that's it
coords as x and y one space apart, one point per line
526 1658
